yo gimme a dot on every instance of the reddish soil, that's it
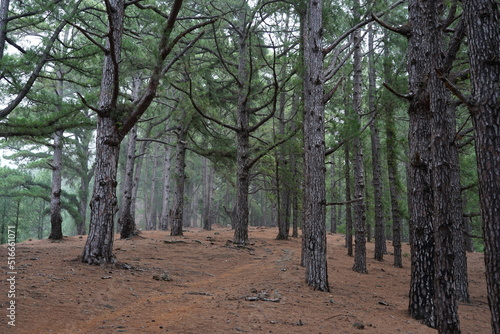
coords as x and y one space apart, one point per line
199 283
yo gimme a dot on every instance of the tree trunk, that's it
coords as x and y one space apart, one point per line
82 140
380 247
282 180
55 198
295 215
208 189
348 210
99 246
126 221
164 217
151 214
4 14
176 214
138 170
458 233
314 227
242 186
82 207
421 303
392 167
333 208
359 182
442 137
243 143
483 22
112 125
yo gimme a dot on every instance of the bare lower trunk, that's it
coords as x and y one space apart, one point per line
166 188
442 139
82 207
392 167
421 302
103 204
359 177
126 221
348 209
458 233
151 214
380 247
176 214
295 216
99 245
242 187
208 189
55 198
138 172
314 227
483 21
333 208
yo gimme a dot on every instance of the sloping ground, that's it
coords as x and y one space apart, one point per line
200 283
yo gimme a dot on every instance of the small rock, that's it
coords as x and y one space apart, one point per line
358 325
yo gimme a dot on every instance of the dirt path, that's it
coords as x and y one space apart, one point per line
201 283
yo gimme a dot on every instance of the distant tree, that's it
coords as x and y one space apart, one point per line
391 156
380 239
358 164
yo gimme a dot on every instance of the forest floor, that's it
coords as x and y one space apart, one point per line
201 283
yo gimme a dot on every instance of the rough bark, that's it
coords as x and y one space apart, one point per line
333 208
442 136
282 180
177 211
138 170
295 215
152 208
4 13
99 246
55 198
314 227
459 228
359 181
166 186
392 167
348 207
82 141
82 207
126 221
380 247
483 22
208 191
242 142
421 302
113 124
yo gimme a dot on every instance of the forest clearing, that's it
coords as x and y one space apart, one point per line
201 283
125 123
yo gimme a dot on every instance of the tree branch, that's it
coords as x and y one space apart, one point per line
402 30
407 97
328 49
454 90
346 202
36 71
90 38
